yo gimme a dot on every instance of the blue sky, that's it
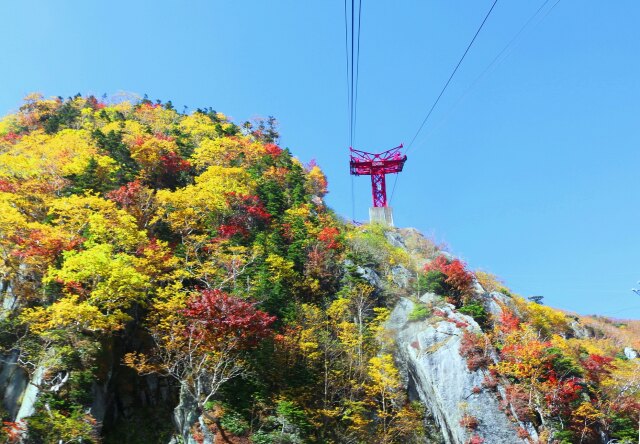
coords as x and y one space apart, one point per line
530 173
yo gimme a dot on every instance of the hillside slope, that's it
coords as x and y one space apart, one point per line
178 278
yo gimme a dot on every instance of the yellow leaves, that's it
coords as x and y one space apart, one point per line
77 146
587 414
226 180
69 313
371 240
188 208
358 417
280 269
8 124
383 375
132 131
490 282
301 211
313 322
591 346
222 151
165 317
38 154
316 182
376 326
221 266
11 219
339 309
543 319
35 107
112 282
302 215
198 126
98 219
158 118
624 380
141 363
523 354
149 153
157 261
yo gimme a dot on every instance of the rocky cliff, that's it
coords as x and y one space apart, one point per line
428 353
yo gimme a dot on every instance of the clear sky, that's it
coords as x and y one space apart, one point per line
531 173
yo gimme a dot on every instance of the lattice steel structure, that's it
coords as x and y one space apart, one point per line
377 166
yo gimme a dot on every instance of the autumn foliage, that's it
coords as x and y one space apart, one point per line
214 316
457 279
187 266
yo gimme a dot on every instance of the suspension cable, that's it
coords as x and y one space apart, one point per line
506 51
496 60
453 73
353 63
451 76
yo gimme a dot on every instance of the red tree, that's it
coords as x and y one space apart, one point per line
458 279
216 316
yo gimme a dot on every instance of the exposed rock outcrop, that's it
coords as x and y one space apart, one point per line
427 353
630 353
13 384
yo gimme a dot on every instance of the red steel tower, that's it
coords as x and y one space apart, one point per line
377 166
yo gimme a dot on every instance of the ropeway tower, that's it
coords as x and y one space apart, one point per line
378 166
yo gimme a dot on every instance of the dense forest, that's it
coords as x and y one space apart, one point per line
174 277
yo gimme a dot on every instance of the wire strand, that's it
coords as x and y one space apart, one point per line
353 74
451 76
496 60
355 103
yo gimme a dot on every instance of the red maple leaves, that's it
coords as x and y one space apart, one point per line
217 316
246 213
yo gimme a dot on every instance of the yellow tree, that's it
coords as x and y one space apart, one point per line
192 208
395 420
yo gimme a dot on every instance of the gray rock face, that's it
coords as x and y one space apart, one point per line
395 239
428 355
13 383
184 417
496 301
630 353
30 396
400 276
579 331
370 276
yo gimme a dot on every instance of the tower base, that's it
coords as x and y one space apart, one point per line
381 215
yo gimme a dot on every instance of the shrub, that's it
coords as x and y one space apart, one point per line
234 423
419 313
490 382
518 397
563 437
477 312
623 429
469 422
473 349
490 282
433 281
458 284
562 364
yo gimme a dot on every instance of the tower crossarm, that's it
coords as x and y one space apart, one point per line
377 166
387 162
